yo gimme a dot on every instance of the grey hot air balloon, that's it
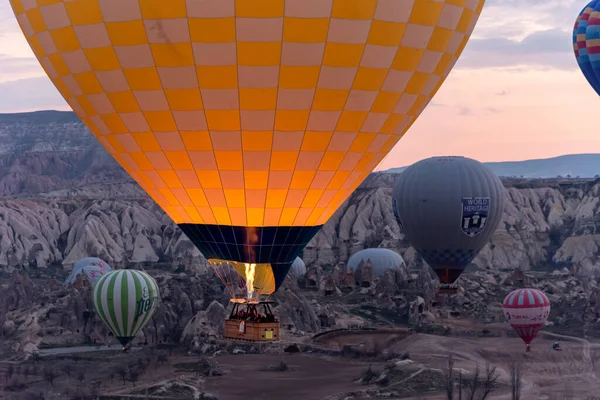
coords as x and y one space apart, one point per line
382 260
298 268
448 207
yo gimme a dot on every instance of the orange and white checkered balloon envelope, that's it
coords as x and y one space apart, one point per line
248 121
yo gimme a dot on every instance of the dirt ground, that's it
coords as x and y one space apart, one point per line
569 374
309 378
548 374
381 338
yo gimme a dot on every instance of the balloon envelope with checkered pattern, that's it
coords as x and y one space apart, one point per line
248 121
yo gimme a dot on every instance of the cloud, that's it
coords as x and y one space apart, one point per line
547 41
15 65
434 103
517 33
13 68
6 12
551 48
523 17
492 110
464 111
30 94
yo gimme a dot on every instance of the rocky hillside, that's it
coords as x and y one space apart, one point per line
64 198
546 225
543 228
50 150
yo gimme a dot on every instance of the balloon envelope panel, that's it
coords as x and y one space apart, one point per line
449 208
245 113
586 34
281 133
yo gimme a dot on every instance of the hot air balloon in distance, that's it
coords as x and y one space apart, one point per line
92 268
586 34
449 207
526 310
298 268
125 300
248 121
382 260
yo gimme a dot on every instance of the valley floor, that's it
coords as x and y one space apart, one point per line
569 374
547 374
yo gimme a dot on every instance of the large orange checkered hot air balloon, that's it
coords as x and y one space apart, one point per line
248 121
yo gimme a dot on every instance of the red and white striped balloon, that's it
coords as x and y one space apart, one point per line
526 310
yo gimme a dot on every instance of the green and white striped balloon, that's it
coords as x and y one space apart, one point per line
125 300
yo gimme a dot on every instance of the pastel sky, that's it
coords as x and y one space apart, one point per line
516 93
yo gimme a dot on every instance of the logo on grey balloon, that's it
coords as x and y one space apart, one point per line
475 212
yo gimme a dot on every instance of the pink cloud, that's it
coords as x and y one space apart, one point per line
500 114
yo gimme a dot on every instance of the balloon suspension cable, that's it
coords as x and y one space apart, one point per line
226 274
244 282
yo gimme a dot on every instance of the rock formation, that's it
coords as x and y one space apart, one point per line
64 198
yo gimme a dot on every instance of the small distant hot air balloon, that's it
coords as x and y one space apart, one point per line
526 310
585 43
382 260
248 122
125 300
298 268
92 268
449 207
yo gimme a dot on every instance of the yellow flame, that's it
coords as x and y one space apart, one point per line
258 278
250 272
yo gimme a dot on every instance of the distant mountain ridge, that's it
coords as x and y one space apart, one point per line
46 116
571 165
